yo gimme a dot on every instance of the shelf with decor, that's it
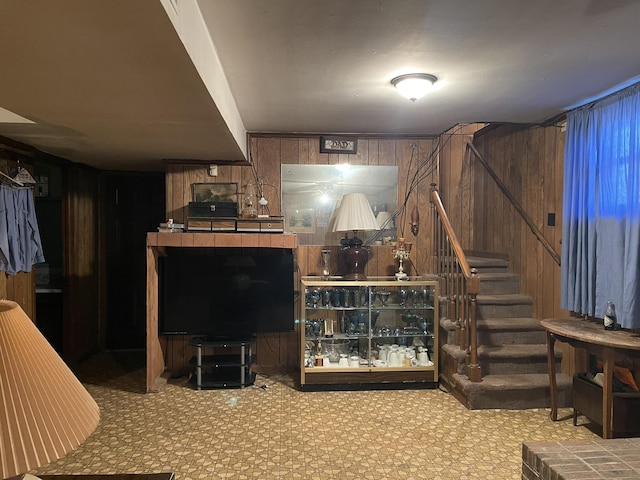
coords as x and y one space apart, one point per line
374 333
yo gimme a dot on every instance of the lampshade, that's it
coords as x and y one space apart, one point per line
45 412
355 213
414 85
384 220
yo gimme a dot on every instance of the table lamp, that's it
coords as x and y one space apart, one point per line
45 412
355 214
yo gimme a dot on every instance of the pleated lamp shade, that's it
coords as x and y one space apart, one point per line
355 214
45 412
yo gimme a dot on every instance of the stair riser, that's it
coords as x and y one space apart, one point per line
519 399
497 365
491 310
500 337
490 269
510 337
514 366
499 286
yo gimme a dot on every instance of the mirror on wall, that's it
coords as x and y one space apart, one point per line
311 194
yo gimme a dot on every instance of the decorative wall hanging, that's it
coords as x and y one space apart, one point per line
339 144
215 192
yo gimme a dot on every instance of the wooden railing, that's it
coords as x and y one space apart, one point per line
459 283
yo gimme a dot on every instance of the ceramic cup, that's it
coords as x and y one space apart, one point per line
394 359
423 359
383 353
354 361
344 361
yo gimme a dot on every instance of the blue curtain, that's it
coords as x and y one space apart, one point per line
601 208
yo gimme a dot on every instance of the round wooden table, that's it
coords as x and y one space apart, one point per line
595 339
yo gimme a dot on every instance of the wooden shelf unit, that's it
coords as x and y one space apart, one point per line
156 243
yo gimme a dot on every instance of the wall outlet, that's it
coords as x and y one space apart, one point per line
213 170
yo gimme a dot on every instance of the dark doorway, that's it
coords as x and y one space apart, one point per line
134 205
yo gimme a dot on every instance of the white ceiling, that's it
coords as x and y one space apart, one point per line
122 84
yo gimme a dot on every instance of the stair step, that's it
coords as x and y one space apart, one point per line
514 359
509 331
501 360
503 306
499 331
485 265
499 283
514 392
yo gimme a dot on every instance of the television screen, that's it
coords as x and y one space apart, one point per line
226 292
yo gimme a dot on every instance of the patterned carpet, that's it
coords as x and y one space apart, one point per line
272 431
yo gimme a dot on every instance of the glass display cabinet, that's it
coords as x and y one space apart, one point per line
377 333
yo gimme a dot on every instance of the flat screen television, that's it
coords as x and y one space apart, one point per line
225 292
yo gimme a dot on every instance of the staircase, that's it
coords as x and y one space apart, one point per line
512 350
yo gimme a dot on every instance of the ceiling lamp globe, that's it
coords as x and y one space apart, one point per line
414 85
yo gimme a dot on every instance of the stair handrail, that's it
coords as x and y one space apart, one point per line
527 219
461 285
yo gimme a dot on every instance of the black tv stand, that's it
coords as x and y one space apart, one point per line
230 370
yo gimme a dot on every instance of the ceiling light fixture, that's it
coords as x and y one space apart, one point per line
414 85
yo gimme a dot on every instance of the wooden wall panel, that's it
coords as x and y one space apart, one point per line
81 330
268 152
453 180
529 161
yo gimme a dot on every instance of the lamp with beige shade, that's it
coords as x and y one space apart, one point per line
45 412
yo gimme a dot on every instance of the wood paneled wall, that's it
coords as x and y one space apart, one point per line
269 152
81 298
454 181
82 332
277 352
529 161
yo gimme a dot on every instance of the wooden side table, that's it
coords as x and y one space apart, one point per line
592 337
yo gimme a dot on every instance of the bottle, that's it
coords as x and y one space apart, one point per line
249 210
610 321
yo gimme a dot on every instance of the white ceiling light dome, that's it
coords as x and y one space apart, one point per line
414 85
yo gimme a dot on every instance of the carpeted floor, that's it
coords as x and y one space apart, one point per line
272 431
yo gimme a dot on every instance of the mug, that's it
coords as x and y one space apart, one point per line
326 362
344 361
354 361
383 353
423 359
394 359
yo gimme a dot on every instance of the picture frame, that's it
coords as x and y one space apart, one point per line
300 220
338 144
214 192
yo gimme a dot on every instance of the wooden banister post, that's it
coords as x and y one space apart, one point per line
473 369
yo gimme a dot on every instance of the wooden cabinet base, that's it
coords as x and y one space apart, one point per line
587 400
369 379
